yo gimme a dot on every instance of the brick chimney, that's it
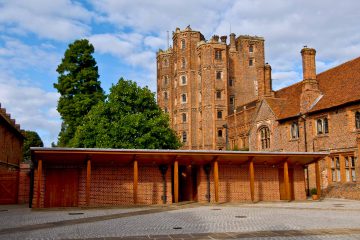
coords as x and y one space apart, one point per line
267 80
310 87
223 39
232 43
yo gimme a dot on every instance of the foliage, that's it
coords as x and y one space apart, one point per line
129 118
78 86
313 191
32 139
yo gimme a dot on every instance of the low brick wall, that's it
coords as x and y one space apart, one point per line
342 190
24 183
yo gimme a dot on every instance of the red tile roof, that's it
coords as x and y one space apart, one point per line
339 85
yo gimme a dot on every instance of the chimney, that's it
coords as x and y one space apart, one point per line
232 42
310 88
215 38
268 80
223 39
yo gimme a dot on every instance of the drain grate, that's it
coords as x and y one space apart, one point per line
177 228
76 213
216 209
240 216
3 210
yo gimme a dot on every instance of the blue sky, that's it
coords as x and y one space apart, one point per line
34 35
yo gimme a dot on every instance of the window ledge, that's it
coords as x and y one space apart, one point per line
323 135
294 140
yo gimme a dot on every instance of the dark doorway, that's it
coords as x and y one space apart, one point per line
61 187
282 184
187 183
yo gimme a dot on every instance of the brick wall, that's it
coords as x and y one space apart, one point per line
24 183
42 189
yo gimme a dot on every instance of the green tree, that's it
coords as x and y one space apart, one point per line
78 86
32 139
129 118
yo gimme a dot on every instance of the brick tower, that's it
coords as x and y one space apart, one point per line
200 82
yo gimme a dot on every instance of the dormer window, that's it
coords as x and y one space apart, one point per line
264 137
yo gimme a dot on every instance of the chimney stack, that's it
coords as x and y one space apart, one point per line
223 39
268 80
232 42
308 62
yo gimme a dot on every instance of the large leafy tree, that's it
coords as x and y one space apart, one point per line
78 86
32 139
129 118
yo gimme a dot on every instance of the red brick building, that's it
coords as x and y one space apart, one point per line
220 96
11 142
104 177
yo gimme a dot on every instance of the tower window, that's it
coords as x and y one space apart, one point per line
251 48
218 94
183 98
183 80
220 133
232 100
165 95
357 120
251 62
183 45
218 55
183 63
231 82
184 117
165 80
264 137
218 75
166 62
184 137
294 130
219 114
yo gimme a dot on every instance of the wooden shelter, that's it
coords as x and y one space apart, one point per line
70 177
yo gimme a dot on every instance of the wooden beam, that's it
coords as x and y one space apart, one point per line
216 180
252 180
176 181
39 172
136 178
317 175
286 181
88 181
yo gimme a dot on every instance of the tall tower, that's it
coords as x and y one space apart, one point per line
200 82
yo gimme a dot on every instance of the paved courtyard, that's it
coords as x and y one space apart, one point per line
328 219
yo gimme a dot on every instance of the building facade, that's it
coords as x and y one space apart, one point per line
11 142
219 96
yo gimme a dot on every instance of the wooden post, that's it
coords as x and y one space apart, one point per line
252 180
286 181
216 180
88 181
39 172
176 181
317 174
136 177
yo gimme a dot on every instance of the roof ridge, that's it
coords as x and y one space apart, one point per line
338 66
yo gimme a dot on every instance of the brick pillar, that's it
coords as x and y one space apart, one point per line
357 167
24 183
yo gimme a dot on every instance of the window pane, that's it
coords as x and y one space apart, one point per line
346 161
357 120
338 175
353 175
332 163
347 175
337 162
333 175
319 126
326 125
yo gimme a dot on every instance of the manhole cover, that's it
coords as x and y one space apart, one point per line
76 213
177 227
216 209
240 216
3 210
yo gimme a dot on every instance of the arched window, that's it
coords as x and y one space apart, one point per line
183 45
220 133
265 137
183 63
166 62
165 80
357 120
218 94
218 75
294 130
184 117
219 114
165 95
184 137
326 125
183 98
183 79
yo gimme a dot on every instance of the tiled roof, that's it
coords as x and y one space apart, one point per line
339 85
7 118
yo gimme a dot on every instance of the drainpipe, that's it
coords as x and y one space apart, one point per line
307 167
207 169
163 169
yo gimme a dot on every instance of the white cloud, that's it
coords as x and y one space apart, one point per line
59 20
31 107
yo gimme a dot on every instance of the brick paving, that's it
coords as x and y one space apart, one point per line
328 219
